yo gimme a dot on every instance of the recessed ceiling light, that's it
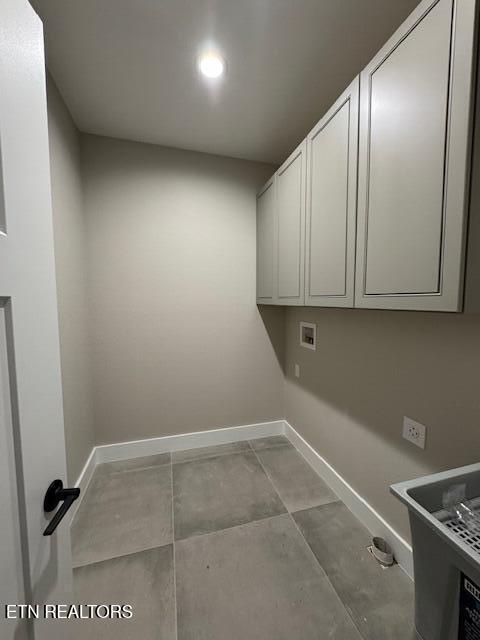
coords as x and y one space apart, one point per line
211 65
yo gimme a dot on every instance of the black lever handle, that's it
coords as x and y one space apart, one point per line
56 494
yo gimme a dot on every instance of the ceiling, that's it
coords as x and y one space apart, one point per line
126 68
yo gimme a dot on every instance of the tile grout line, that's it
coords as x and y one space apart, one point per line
173 552
270 480
362 637
235 526
126 471
84 502
122 555
242 524
213 455
310 550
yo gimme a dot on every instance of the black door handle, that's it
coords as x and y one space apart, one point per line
56 494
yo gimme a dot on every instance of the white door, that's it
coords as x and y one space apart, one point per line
266 244
332 153
415 106
290 185
33 568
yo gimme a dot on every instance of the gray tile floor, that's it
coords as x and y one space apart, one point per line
241 541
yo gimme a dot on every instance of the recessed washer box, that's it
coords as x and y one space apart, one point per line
308 335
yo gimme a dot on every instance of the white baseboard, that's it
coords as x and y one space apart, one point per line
83 481
166 444
367 515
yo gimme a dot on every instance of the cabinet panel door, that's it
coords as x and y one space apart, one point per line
290 186
332 152
266 244
413 162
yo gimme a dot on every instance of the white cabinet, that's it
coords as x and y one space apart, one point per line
266 244
398 241
290 192
281 234
415 122
332 153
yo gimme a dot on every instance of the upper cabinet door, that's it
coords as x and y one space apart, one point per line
415 121
266 244
332 152
290 188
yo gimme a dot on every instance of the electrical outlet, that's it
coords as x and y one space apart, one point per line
297 371
414 432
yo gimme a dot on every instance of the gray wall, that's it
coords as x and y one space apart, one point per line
70 258
178 342
179 345
370 369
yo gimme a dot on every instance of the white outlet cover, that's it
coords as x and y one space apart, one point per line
297 371
414 432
